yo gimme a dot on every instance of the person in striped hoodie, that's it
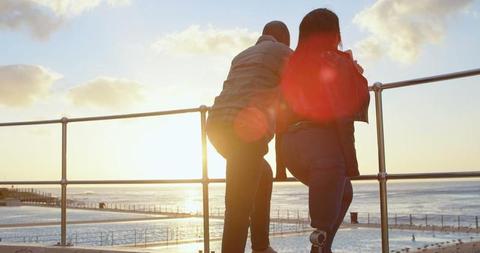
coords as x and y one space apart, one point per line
240 125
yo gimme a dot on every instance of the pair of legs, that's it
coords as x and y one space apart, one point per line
248 189
314 155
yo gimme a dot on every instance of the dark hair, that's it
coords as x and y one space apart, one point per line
278 30
319 21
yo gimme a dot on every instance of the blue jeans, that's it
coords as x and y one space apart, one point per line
248 189
315 156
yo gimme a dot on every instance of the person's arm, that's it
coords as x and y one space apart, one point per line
363 96
281 125
360 84
281 120
281 169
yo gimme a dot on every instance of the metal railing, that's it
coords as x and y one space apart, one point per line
382 175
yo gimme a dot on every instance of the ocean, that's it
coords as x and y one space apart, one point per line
423 197
451 203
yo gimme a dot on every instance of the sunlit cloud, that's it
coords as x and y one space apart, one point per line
196 40
401 28
22 85
107 93
75 7
22 14
43 17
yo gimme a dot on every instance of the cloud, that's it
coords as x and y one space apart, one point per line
473 13
401 28
23 14
107 93
195 40
21 85
43 17
75 7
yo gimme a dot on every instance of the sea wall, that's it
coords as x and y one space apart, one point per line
57 249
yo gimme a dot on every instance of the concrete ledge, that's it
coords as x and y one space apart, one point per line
33 248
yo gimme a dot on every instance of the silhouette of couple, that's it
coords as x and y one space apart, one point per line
309 99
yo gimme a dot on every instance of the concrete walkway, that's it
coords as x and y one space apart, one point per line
450 247
57 249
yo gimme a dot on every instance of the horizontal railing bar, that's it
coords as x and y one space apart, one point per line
30 182
135 115
150 181
29 123
107 117
435 175
105 182
437 78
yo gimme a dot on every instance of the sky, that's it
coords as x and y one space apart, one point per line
68 58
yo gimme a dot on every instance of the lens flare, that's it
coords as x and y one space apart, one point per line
323 85
251 124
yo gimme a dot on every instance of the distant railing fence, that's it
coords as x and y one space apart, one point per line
382 176
148 236
284 222
469 223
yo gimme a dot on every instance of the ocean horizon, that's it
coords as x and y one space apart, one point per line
456 201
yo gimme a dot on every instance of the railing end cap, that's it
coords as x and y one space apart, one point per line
377 86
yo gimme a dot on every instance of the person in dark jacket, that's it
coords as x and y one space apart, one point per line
324 92
240 125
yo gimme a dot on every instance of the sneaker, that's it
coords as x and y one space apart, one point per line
267 250
317 238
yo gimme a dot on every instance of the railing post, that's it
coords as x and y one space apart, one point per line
145 237
476 222
205 180
382 173
63 226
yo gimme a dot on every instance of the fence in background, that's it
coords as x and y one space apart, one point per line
284 222
147 236
428 221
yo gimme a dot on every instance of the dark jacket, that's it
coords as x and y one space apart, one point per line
323 88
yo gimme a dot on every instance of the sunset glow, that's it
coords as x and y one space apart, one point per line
113 57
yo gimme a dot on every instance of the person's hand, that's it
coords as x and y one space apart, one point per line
358 67
355 63
281 174
349 52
